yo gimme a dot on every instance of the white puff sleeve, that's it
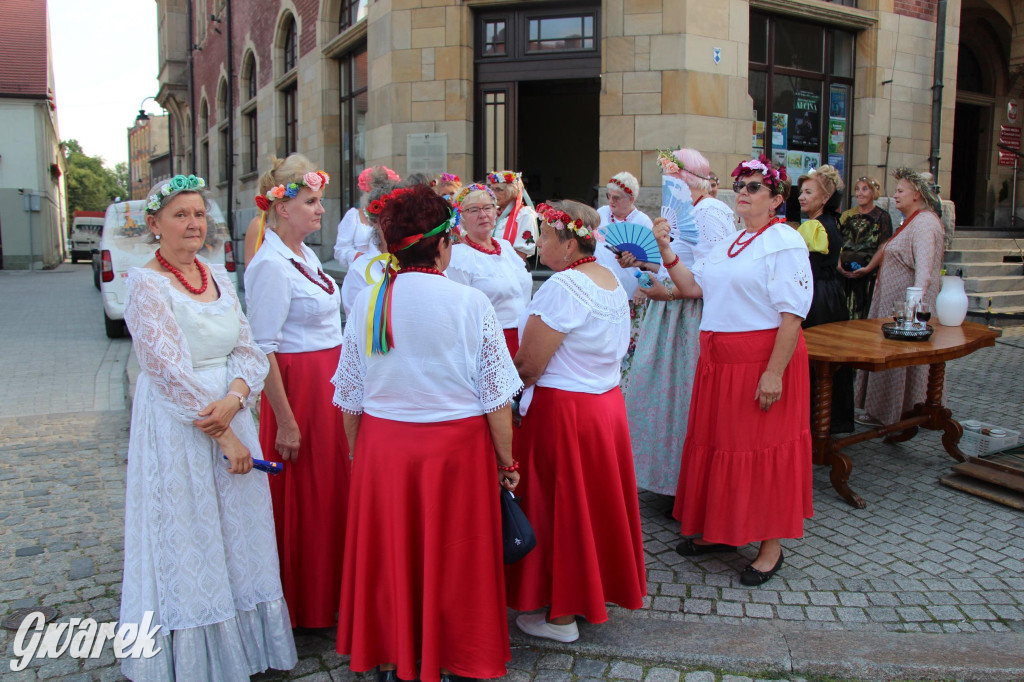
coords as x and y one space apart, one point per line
351 374
267 300
246 362
790 286
557 307
496 377
162 349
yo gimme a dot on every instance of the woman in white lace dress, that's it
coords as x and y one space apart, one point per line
425 384
489 263
579 490
199 547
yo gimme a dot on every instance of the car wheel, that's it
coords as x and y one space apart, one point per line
115 328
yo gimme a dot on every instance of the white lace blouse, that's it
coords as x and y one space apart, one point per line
354 237
751 291
715 222
355 279
503 278
449 359
524 239
288 312
596 324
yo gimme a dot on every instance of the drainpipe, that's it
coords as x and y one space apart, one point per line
940 60
231 122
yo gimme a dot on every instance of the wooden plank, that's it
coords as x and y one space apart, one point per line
988 491
1013 481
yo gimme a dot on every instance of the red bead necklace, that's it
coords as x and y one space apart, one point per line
495 249
324 283
425 271
581 261
744 244
699 199
181 278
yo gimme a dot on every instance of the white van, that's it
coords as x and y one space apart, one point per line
126 243
84 238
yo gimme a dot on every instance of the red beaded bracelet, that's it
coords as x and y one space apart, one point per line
514 467
674 263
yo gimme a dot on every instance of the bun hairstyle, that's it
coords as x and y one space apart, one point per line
379 180
831 183
578 211
414 210
282 172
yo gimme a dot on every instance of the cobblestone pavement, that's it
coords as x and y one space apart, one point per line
920 558
54 354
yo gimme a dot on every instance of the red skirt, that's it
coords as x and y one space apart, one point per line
745 474
578 490
512 341
423 576
311 495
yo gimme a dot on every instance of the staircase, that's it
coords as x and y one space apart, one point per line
989 277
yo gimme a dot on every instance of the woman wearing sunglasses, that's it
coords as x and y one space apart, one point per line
747 478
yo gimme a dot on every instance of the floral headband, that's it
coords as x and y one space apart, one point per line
445 178
469 189
672 164
505 177
377 205
367 173
621 185
561 220
179 183
313 180
922 184
772 177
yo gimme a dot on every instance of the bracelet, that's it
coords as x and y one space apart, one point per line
514 467
674 263
671 294
241 399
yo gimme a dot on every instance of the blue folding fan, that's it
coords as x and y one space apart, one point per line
677 209
633 238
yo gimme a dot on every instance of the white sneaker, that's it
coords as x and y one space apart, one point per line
536 624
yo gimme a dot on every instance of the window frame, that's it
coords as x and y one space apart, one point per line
347 98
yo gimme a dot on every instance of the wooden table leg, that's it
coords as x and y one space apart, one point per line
942 417
825 450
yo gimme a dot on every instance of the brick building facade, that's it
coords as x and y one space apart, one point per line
572 91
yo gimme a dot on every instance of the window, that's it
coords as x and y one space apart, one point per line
252 139
494 38
204 143
287 87
250 127
222 100
290 46
561 34
201 20
495 111
801 81
354 103
352 12
291 120
225 153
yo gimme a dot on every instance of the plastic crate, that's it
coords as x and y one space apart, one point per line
977 444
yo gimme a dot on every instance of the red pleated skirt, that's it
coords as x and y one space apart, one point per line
512 341
578 489
423 576
745 474
311 495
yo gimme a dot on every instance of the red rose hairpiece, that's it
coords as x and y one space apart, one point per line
262 202
561 220
377 205
772 177
621 186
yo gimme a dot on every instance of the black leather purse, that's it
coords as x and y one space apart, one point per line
517 535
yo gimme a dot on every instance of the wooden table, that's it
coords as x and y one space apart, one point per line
860 344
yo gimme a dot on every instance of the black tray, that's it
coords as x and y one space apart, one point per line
891 331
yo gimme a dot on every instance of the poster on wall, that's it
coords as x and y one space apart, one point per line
806 124
758 142
836 136
837 101
811 161
795 162
780 122
779 157
837 161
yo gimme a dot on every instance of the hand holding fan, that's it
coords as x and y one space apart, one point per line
635 239
677 209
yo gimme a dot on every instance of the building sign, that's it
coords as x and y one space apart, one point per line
1012 111
426 152
1010 137
805 127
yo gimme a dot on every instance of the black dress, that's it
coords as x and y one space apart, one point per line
829 305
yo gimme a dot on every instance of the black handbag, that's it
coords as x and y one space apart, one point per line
517 537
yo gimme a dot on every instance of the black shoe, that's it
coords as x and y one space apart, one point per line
690 548
387 676
448 677
751 577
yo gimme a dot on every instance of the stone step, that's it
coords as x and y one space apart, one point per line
1010 317
980 285
1000 300
976 243
976 255
984 269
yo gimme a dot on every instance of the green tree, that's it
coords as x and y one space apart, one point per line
91 186
124 181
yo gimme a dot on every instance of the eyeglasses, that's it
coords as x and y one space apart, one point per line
474 212
614 197
752 187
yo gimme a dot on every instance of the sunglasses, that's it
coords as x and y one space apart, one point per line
752 187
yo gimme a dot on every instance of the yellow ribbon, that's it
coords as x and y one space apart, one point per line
388 260
259 236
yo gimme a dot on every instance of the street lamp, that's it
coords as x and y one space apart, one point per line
143 117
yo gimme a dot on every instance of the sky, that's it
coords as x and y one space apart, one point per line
105 63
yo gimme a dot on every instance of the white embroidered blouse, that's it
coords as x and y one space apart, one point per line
449 359
503 278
